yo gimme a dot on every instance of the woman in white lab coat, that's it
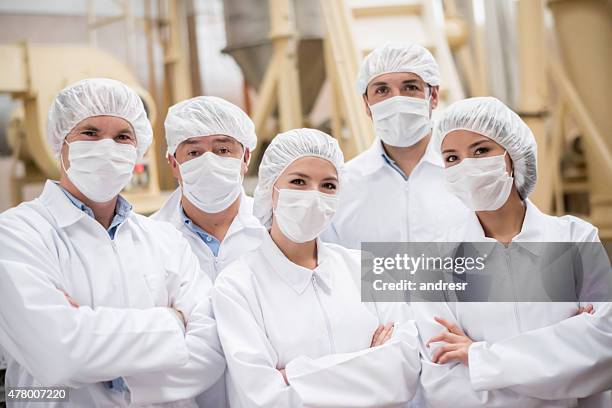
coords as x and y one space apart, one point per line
290 317
510 353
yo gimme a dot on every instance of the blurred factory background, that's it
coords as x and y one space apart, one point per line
293 63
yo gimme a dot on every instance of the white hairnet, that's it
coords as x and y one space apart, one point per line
491 118
398 58
97 97
206 116
284 149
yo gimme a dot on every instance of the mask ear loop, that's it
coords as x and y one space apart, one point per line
429 100
511 172
244 149
62 158
278 195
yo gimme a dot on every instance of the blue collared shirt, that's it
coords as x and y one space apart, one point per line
213 243
392 163
122 211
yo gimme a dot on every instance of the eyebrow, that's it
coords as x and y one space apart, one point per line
476 143
218 139
190 141
302 175
92 128
224 139
378 83
89 127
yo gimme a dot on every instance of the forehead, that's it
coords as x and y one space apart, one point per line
396 78
462 138
108 123
312 166
208 140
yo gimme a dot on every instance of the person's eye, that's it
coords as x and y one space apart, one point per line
329 186
381 90
451 158
223 151
193 153
480 150
124 138
88 133
413 88
298 182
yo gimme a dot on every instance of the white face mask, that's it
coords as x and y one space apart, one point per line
302 215
482 184
401 120
100 169
211 182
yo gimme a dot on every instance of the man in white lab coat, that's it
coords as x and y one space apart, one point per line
395 190
94 297
209 145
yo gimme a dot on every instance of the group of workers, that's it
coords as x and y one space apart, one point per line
220 299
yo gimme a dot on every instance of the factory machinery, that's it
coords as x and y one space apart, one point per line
300 54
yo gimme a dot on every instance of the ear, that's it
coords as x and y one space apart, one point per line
509 164
274 196
174 166
246 160
63 156
367 106
435 93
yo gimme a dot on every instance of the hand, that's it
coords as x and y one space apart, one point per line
382 334
457 345
586 309
284 374
72 302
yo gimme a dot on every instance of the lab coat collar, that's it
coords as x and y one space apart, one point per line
432 155
245 216
298 277
532 230
59 205
171 212
63 210
535 225
373 159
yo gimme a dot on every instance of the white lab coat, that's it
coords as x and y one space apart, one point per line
244 234
378 205
123 327
273 314
525 354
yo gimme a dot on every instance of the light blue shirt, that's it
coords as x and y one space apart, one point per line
122 211
392 163
213 243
